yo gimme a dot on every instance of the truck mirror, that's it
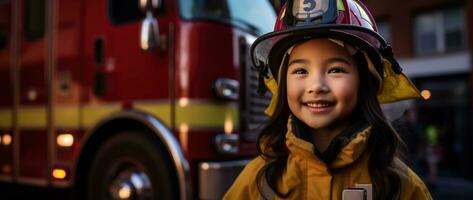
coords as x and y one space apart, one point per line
149 5
149 37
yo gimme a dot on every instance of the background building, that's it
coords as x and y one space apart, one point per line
433 40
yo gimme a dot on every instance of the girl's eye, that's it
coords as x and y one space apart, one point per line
299 71
337 70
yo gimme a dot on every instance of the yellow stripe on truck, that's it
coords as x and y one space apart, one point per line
205 115
92 114
6 118
32 117
67 116
195 114
160 110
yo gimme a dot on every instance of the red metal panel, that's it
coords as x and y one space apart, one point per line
33 163
5 72
33 88
130 73
68 47
95 26
205 51
201 146
128 67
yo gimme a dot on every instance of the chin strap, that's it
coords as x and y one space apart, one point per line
388 54
262 73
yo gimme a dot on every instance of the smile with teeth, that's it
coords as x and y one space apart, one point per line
319 106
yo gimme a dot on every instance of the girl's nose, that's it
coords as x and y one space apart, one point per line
318 86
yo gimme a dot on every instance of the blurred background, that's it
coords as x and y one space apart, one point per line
66 65
433 42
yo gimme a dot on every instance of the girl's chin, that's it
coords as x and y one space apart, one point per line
317 125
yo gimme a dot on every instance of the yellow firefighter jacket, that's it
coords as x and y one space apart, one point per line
311 178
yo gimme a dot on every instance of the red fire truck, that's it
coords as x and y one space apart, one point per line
149 99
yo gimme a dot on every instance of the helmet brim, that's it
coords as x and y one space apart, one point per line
268 50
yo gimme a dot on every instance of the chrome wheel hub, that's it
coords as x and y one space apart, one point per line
131 184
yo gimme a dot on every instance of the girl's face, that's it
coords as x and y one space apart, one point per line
322 84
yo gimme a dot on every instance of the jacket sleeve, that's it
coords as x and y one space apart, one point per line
414 188
245 186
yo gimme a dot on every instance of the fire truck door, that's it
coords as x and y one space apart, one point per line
66 79
6 89
144 75
31 146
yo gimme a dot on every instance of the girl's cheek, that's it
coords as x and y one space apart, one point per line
350 90
294 88
293 84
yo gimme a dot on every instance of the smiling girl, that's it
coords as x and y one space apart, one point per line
327 138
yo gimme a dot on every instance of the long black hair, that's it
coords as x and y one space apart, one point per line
383 143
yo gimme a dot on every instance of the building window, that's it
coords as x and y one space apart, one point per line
440 31
384 29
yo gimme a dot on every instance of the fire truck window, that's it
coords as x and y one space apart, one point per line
5 13
34 19
98 51
3 37
257 17
124 11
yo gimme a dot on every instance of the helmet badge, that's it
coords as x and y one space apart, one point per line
308 10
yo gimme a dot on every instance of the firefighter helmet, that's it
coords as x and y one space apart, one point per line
348 21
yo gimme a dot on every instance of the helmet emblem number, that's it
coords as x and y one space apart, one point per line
308 10
311 5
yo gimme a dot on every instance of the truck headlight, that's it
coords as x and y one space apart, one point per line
226 88
227 143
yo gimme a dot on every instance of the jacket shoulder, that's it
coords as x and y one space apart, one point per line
245 186
417 188
414 187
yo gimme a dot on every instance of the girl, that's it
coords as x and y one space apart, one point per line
327 137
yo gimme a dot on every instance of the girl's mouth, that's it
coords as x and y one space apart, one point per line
319 106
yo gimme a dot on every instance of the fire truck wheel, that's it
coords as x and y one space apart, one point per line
130 166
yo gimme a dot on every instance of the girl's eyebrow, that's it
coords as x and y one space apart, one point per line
299 60
330 60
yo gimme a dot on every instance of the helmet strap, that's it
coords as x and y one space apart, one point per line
388 54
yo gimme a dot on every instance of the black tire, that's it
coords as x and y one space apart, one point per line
131 153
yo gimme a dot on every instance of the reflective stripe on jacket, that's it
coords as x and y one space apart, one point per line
311 178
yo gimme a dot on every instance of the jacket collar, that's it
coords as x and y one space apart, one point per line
342 151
